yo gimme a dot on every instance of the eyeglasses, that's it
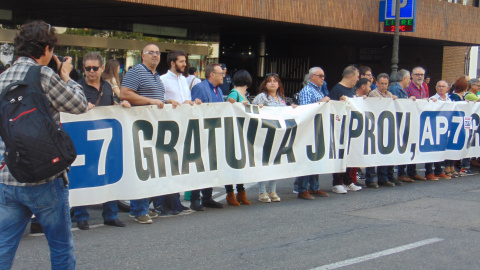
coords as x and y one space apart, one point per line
319 75
419 75
90 68
223 74
151 53
271 74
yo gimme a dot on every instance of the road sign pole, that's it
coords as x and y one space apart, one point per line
396 41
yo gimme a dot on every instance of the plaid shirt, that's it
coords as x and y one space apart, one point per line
310 94
413 90
63 97
377 93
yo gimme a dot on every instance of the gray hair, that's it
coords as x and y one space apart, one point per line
382 75
349 71
448 85
403 73
93 56
307 77
474 81
418 68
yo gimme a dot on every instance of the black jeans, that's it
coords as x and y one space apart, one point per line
206 194
229 188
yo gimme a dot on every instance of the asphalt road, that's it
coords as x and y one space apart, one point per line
423 225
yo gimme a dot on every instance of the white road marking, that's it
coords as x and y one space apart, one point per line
378 254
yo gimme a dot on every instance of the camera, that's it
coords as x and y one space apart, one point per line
53 64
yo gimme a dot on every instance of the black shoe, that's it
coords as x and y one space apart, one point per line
36 228
162 210
83 225
211 204
115 223
186 209
195 205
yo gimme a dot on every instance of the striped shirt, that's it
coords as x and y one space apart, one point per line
141 80
63 97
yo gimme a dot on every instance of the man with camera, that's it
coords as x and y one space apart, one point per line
47 199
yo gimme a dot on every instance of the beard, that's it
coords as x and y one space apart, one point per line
179 69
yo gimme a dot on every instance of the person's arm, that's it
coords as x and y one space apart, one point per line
471 97
64 96
198 93
303 97
135 99
115 87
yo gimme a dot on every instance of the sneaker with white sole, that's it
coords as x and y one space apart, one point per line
352 187
152 214
273 196
339 189
264 198
143 219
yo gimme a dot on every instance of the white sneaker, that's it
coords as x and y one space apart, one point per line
353 187
264 198
339 189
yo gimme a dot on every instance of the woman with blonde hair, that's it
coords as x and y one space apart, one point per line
110 74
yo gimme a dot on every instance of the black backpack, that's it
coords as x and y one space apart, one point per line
36 148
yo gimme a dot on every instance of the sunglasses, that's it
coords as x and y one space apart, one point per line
90 68
272 74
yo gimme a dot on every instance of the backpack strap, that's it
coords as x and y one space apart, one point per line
32 77
238 96
191 84
100 94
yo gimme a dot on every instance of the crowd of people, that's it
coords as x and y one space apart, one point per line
143 85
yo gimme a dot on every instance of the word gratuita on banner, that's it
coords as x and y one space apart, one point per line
140 152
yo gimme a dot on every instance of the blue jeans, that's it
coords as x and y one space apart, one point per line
384 173
369 172
305 181
466 163
272 186
139 207
49 203
110 211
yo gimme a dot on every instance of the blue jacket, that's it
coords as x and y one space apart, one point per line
204 92
398 91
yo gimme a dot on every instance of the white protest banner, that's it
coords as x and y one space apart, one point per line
394 132
145 151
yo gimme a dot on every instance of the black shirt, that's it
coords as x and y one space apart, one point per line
92 93
339 90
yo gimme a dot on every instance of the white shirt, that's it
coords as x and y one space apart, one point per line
437 96
176 87
195 80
